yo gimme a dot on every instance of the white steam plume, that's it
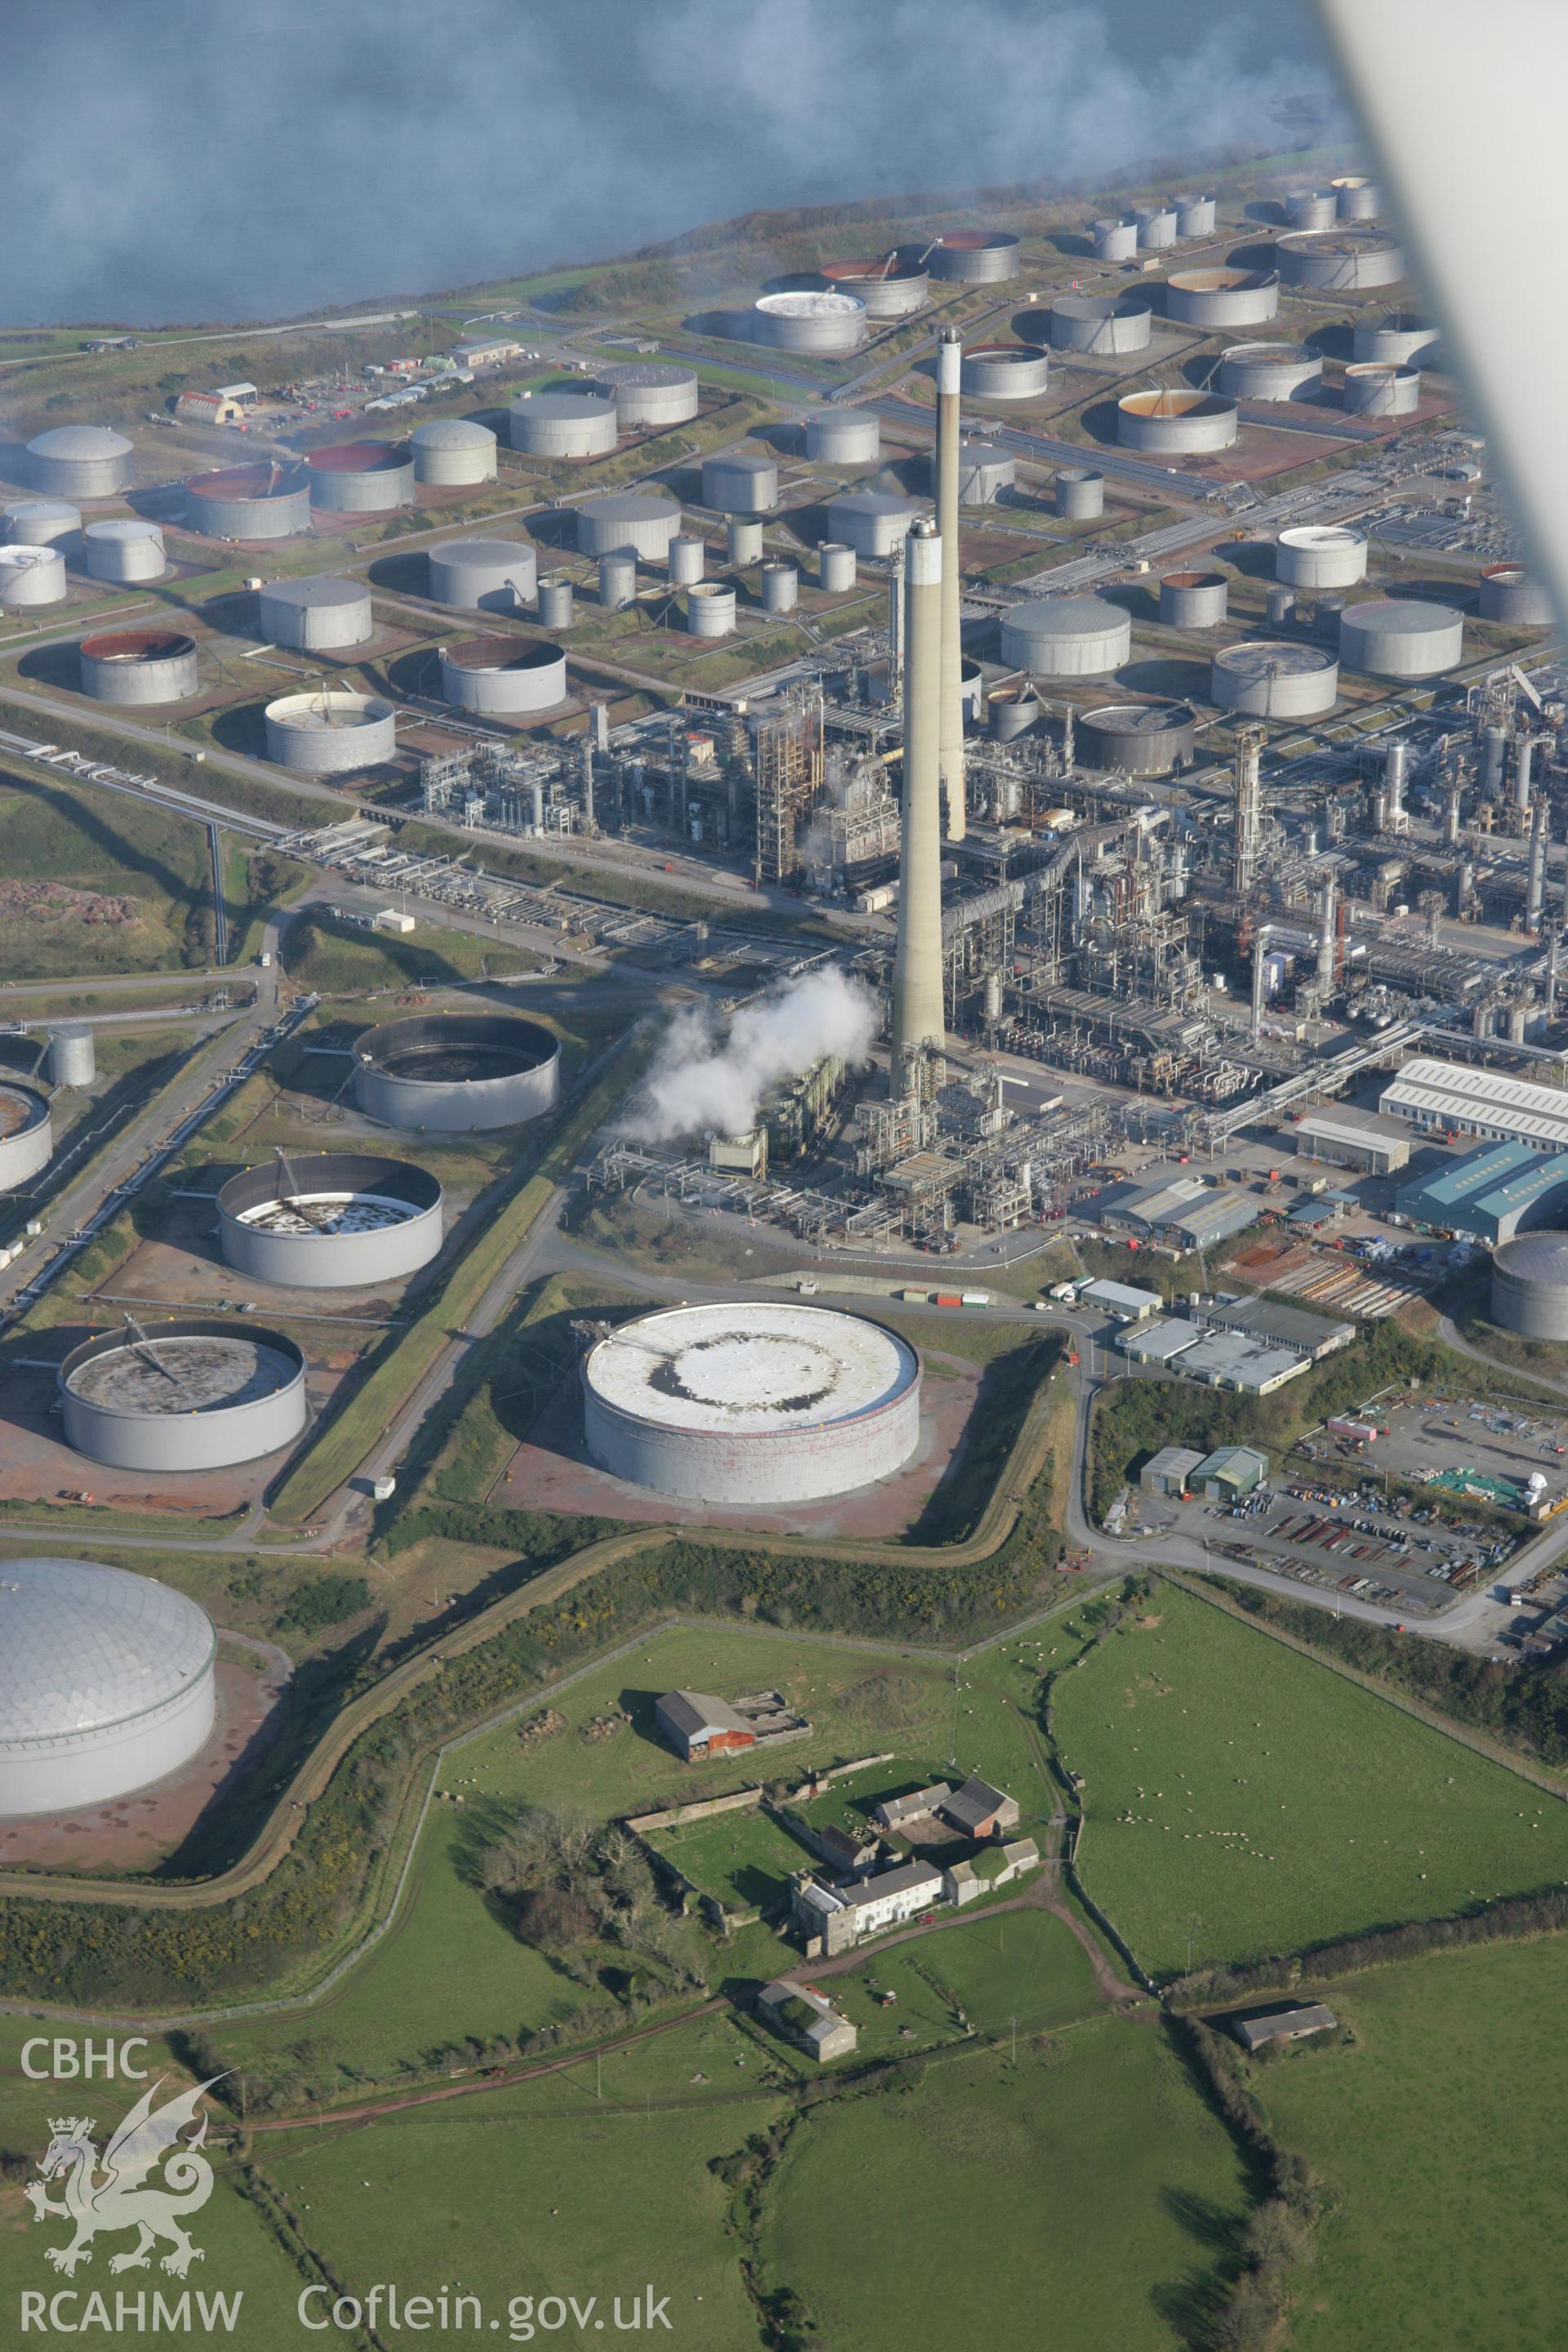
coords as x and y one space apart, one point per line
702 1083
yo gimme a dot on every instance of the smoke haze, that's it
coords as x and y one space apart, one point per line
179 160
704 1082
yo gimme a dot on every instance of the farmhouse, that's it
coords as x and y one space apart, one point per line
835 1918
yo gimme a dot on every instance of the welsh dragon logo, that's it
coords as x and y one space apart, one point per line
115 2192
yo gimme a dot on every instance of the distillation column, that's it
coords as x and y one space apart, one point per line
949 364
1248 807
918 1017
1535 887
1326 941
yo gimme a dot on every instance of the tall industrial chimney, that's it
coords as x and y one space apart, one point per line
917 970
1535 887
949 362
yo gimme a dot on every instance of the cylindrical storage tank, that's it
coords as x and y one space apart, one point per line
1515 597
1222 298
1114 240
1355 198
1194 600
650 396
985 471
1395 339
1012 710
1265 679
1173 424
1327 607
1530 1285
1494 751
484 575
1100 322
1316 208
1401 639
81 461
844 436
452 451
974 256
688 562
759 1402
267 501
505 676
711 609
780 587
1140 738
873 522
556 604
563 423
618 582
26 1135
1005 372
1270 372
890 285
193 1393
970 687
318 614
1080 493
362 476
1320 555
628 521
139 667
338 1221
1280 606
456 1072
743 543
1374 388
125 547
331 732
740 481
1194 216
1066 636
106 1685
72 1061
31 575
1341 260
834 566
1156 229
825 324
43 522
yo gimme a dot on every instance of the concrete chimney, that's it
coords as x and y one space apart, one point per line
917 970
949 362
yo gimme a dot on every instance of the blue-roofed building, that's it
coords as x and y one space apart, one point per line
1489 1194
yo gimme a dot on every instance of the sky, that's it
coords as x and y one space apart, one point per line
192 160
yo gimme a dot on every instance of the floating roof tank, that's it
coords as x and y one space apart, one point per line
1012 710
330 732
43 523
1376 388
139 667
484 575
740 481
1222 298
1530 1285
1320 555
503 676
650 396
711 609
193 1393
1066 636
564 424
335 1220
31 575
1100 322
1194 600
1269 680
1357 199
1006 371
456 1072
26 1135
1401 639
1271 370
125 547
362 476
1342 258
1514 597
844 436
1174 422
890 285
266 501
822 323
1079 493
628 520
1140 738
452 451
873 522
1395 338
81 461
974 256
318 614
1313 208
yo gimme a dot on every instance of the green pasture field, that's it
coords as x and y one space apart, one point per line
742 1859
88 839
1310 1808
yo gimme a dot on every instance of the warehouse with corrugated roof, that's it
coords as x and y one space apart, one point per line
1489 1194
1454 1097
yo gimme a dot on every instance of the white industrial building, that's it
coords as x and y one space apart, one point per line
1453 1099
1352 1138
1120 1299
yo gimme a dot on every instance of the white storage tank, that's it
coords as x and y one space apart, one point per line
316 615
1513 596
1114 240
81 461
825 324
72 1060
891 285
192 1393
1174 422
139 667
1401 639
650 396
1005 372
836 566
740 481
1265 679
688 560
1320 555
456 1072
1376 388
31 575
507 677
1067 636
974 256
451 452
780 586
844 436
484 575
628 520
1341 260
362 476
1270 372
1104 323
1395 339
873 522
43 522
125 547
563 423
1222 298
268 499
711 609
331 732
1194 600
27 1133
1079 493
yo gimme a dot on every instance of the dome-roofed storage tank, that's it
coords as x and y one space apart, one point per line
1395 338
1267 679
1222 298
1079 493
1005 372
106 1685
43 522
650 396
873 522
740 481
31 575
1530 1285
891 284
125 547
1139 738
1114 240
1401 639
1175 423
759 1402
844 436
1342 258
264 500
628 520
822 323
1100 322
507 677
974 256
456 1072
484 575
331 732
27 1133
81 461
317 614
335 1220
453 451
1270 372
72 1059
711 609
1194 600
139 667
1320 555
564 424
1066 636
362 476
192 1393
1376 388
1515 597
